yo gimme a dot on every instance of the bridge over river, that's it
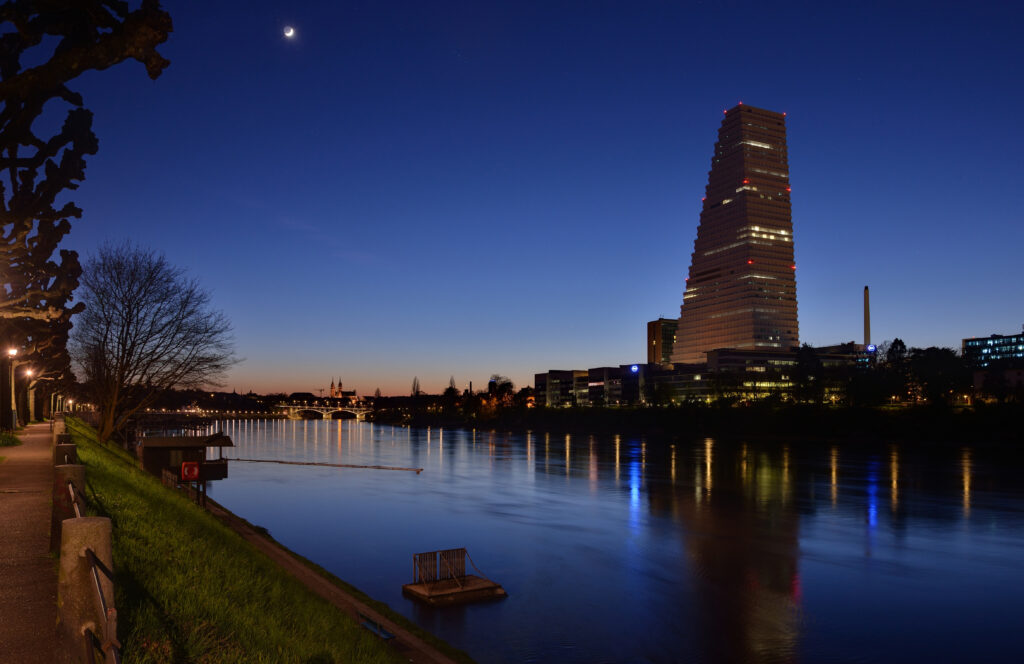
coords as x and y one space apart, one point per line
295 410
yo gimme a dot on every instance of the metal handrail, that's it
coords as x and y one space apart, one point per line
109 613
74 499
92 644
482 575
111 647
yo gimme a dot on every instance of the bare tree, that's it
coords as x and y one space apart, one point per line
146 328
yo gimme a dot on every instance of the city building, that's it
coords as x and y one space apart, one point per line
741 288
728 372
605 385
980 352
997 362
661 339
559 387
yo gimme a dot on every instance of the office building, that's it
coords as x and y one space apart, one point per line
741 289
558 388
980 352
661 339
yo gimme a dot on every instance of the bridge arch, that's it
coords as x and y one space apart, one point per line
310 414
306 411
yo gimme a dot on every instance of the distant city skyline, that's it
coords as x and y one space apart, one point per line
461 189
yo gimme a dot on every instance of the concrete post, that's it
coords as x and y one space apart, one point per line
62 506
78 606
64 454
56 429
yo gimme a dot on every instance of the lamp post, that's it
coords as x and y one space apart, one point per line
10 409
30 395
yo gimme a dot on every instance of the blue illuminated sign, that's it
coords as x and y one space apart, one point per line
634 368
871 348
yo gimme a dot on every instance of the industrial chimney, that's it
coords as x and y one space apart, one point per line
867 318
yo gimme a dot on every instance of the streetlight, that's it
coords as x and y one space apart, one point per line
30 396
12 412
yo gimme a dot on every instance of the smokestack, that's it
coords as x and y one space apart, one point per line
867 318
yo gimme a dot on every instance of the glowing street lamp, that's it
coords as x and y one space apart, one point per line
10 414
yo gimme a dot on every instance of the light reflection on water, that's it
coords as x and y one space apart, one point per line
630 549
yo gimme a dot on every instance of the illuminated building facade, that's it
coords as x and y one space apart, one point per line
559 388
661 339
741 289
980 352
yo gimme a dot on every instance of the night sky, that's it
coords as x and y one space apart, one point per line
440 189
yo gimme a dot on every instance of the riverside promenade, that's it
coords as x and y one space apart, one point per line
28 592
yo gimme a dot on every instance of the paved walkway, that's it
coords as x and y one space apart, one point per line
28 574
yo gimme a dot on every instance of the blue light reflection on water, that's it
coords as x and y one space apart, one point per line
873 493
634 494
617 549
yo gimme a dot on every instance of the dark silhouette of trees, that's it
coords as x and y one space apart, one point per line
450 397
660 394
939 373
146 329
896 353
501 389
808 375
994 384
522 398
66 38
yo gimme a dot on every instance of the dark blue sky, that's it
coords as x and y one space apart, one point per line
446 188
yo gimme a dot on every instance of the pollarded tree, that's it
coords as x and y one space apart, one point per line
66 38
146 328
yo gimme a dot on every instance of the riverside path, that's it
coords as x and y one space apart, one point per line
28 590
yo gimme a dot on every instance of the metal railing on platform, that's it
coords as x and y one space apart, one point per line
171 480
434 566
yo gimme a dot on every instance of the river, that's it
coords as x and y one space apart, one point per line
632 549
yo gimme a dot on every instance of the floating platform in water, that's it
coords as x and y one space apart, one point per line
440 579
470 588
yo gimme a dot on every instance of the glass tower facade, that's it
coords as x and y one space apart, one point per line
741 289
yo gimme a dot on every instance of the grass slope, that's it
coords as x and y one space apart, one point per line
8 439
189 589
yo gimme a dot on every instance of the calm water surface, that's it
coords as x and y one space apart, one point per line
631 549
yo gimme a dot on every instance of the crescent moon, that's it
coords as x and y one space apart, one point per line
289 32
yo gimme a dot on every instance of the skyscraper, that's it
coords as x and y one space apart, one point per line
741 289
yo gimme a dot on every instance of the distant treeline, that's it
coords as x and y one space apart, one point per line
979 424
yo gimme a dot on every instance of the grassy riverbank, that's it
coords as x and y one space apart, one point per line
189 589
